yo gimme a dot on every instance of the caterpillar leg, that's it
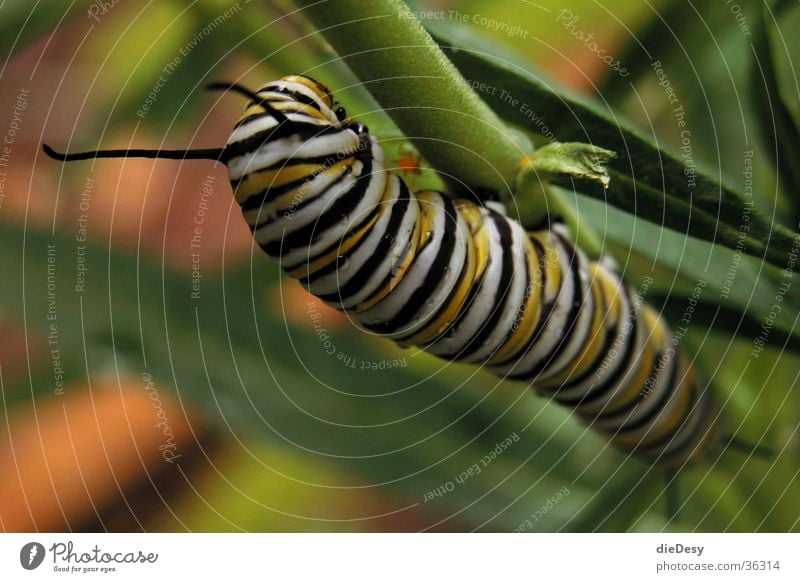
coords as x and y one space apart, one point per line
671 476
671 496
747 448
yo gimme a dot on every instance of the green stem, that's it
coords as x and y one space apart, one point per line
407 73
561 162
434 106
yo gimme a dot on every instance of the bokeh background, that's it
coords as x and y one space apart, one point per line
158 375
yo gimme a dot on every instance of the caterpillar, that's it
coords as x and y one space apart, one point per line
455 277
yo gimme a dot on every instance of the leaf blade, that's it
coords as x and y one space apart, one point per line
709 210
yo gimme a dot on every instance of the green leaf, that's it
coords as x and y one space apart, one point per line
736 283
672 31
779 127
580 162
227 355
646 180
128 66
22 22
571 161
741 326
787 54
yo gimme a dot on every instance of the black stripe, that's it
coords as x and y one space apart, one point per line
388 278
376 257
451 297
303 131
610 411
453 328
339 210
611 336
597 391
296 95
696 400
521 310
335 244
655 451
544 313
320 123
293 96
544 319
673 383
504 289
432 279
641 399
572 316
269 194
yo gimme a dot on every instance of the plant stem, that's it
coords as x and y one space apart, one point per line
435 107
407 73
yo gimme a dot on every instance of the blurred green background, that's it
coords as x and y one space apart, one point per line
200 392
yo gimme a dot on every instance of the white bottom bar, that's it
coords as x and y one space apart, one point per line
406 557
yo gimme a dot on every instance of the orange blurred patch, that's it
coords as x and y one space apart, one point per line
14 353
409 164
295 303
164 208
81 451
144 204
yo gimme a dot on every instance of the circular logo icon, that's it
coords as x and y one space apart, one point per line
31 555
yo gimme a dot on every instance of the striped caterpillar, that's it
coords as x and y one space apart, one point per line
456 278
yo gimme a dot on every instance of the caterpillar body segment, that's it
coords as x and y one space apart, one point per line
461 280
456 278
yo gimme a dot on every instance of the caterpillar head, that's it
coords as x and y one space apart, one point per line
320 91
301 95
303 92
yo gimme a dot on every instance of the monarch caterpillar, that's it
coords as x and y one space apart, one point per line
459 279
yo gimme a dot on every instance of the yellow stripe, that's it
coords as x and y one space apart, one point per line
285 104
423 231
531 311
319 89
477 254
255 109
664 425
609 317
654 332
595 337
298 107
258 181
613 296
707 440
281 176
352 239
397 274
552 265
250 111
306 270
